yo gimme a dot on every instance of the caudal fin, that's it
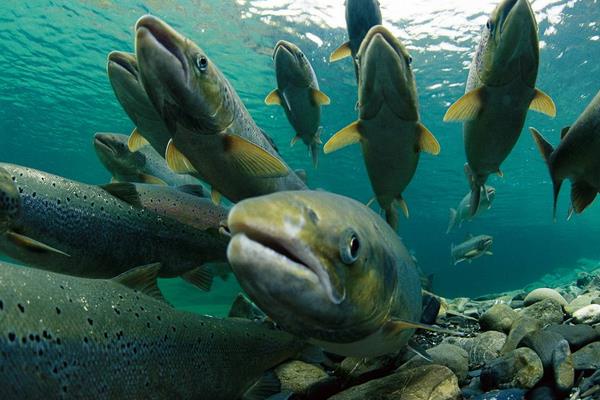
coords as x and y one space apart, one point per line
546 150
452 221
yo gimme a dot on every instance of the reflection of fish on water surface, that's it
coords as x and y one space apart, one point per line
67 337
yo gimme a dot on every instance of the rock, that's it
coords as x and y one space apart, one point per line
581 301
359 370
547 311
482 348
298 377
577 335
589 315
507 394
517 304
499 317
562 366
590 382
588 357
449 355
596 300
543 393
543 343
521 328
432 382
543 294
521 368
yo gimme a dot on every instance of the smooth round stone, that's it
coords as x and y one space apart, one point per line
543 343
596 300
521 328
547 311
588 357
521 368
499 317
577 335
449 355
542 294
507 394
562 366
298 376
482 348
589 315
581 301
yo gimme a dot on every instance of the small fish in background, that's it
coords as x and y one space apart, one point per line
389 128
124 76
66 337
143 165
326 267
577 157
64 226
213 134
500 90
462 213
361 16
299 95
472 248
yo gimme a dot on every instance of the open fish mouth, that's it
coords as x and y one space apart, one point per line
120 60
100 143
282 45
161 36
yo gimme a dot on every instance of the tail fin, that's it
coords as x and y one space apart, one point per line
452 221
475 191
546 150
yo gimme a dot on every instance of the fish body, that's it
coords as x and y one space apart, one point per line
77 229
64 337
361 16
472 248
389 128
299 95
500 90
123 74
212 132
462 213
143 165
327 268
577 157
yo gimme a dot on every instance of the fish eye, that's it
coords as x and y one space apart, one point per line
490 25
410 60
349 247
201 63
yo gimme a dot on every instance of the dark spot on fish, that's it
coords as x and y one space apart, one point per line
62 287
58 201
148 324
158 317
64 389
58 341
57 310
1 305
40 352
33 194
85 339
313 216
24 339
85 197
20 190
12 336
90 321
14 178
174 329
55 370
137 315
53 184
21 308
106 335
38 338
46 335
68 199
31 337
117 311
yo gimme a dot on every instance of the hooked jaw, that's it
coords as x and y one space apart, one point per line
125 63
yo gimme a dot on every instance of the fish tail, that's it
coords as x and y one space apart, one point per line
546 151
452 221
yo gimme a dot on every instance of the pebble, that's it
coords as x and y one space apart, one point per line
542 294
298 377
547 311
431 382
499 317
562 366
596 300
521 368
449 355
543 343
581 301
577 335
589 315
521 328
482 348
588 357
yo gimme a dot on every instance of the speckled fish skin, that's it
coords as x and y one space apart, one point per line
326 267
472 248
102 235
463 212
361 16
136 166
63 337
201 109
124 78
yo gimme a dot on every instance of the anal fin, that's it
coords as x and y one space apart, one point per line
32 245
582 195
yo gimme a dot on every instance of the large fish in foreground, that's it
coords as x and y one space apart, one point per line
143 165
361 16
462 213
77 229
500 89
389 129
124 78
577 157
472 248
328 268
63 337
299 95
212 132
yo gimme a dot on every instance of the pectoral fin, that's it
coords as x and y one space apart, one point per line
199 277
426 141
273 98
394 326
543 103
501 175
419 350
582 195
251 159
266 387
341 52
177 162
294 140
124 191
320 98
467 107
136 140
403 206
215 196
142 279
32 245
347 136
151 180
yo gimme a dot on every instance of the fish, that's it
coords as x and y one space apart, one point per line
361 16
389 129
68 227
212 132
299 94
69 337
575 158
124 77
143 165
500 90
472 248
328 269
463 212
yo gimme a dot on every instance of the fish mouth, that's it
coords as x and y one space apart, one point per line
379 38
285 46
510 10
103 144
490 191
123 61
487 242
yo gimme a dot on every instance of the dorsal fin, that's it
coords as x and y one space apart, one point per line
142 279
125 191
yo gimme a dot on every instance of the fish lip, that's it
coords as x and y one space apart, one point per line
100 143
121 60
283 45
386 36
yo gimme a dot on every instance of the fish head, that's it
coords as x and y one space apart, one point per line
310 260
123 74
182 82
292 65
10 200
114 153
485 243
509 47
385 76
